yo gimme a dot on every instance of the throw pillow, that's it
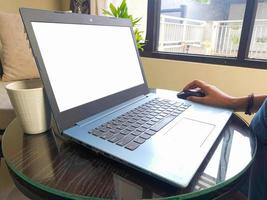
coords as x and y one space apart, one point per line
17 60
1 69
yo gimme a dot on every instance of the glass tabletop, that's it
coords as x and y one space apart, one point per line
53 165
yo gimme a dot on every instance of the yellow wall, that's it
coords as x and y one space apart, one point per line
64 4
237 81
14 5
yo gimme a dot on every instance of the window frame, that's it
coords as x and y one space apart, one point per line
242 59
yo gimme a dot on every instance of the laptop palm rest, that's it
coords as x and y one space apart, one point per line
189 134
182 149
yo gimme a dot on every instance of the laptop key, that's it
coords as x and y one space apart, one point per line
146 126
150 132
97 132
121 127
125 140
155 120
163 115
131 121
136 133
135 125
162 123
109 125
130 129
141 129
114 131
103 129
145 136
126 124
136 118
125 132
176 113
145 119
150 116
116 138
140 122
140 140
159 117
151 123
132 146
106 135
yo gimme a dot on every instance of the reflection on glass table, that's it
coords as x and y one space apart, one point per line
231 157
47 166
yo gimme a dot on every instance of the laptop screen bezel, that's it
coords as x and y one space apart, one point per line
69 118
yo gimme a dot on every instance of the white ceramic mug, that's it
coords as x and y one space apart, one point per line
29 103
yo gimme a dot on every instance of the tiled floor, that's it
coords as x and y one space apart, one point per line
8 190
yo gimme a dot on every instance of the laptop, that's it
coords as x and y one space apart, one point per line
99 97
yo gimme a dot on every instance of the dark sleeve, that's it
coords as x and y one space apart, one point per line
258 124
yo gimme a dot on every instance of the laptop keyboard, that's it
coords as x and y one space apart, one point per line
133 128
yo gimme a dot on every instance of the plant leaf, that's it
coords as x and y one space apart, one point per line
113 10
136 20
139 39
106 12
122 12
123 5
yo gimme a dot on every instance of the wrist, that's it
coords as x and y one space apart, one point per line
238 103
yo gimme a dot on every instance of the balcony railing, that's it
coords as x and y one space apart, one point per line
177 33
210 37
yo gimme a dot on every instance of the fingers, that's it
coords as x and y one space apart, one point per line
201 100
196 84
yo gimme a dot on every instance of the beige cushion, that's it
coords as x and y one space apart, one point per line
17 59
7 113
0 56
0 50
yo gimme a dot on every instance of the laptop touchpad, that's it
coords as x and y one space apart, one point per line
190 132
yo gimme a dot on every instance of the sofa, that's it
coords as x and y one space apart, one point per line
15 54
8 59
6 111
17 62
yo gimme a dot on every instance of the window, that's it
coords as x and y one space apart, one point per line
210 31
258 45
201 27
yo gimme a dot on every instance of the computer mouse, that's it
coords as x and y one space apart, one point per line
186 93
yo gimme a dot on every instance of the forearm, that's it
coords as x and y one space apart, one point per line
240 103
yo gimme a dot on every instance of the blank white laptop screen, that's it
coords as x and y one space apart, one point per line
87 62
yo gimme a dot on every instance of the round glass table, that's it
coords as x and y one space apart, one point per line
47 166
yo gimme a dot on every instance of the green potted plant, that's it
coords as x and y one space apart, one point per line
122 12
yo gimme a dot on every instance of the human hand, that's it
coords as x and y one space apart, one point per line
213 95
